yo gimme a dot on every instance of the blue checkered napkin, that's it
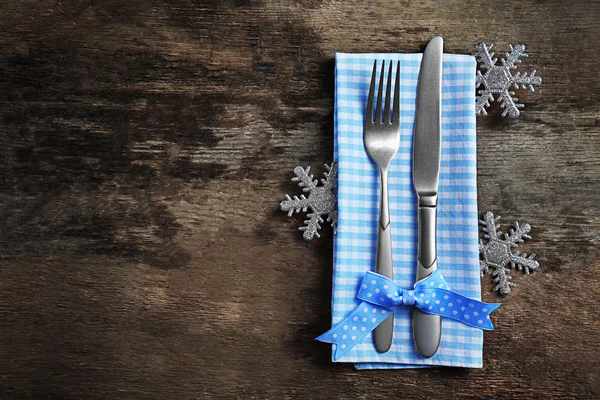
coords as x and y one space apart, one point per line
358 206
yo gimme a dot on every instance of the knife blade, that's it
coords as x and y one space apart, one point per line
427 328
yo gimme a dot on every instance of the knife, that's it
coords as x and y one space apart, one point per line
427 328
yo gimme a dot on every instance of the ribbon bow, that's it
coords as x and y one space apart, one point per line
382 296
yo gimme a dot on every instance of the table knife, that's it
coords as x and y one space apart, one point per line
427 328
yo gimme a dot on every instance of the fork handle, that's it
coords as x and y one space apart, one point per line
384 332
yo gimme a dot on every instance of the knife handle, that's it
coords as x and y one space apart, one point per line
384 332
427 328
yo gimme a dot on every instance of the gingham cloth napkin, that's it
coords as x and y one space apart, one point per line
358 206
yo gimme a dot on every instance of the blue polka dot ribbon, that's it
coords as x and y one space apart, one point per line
381 296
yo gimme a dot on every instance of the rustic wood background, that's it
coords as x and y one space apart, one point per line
145 146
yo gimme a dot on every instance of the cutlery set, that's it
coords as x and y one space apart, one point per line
381 141
374 305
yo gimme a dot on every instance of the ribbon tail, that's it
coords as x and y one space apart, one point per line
490 308
338 352
354 328
458 307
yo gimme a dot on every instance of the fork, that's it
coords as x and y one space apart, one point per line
381 140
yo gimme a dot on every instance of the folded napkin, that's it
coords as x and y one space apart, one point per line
358 207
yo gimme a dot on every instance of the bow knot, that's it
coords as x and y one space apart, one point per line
381 291
408 297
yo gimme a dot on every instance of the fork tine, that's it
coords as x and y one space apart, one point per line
396 111
388 96
369 111
380 95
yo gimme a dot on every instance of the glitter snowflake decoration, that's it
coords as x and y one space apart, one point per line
497 79
497 253
321 200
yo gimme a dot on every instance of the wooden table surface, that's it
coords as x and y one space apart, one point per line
146 144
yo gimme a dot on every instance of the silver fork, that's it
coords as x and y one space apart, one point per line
381 139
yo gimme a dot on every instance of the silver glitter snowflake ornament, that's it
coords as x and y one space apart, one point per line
497 253
321 200
498 79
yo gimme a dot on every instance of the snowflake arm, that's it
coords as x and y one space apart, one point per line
527 81
509 104
313 224
523 262
489 227
517 234
483 101
330 176
502 279
484 56
305 179
333 218
296 204
514 56
478 80
484 268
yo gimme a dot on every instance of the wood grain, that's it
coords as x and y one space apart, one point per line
145 146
